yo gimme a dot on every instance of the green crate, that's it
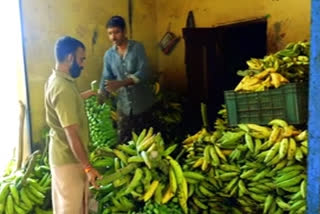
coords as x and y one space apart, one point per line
288 102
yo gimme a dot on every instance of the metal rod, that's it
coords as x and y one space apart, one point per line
27 104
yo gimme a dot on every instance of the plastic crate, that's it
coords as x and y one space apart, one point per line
288 102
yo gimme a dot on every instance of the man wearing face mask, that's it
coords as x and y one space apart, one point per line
69 131
126 73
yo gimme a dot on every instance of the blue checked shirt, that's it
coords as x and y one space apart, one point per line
135 98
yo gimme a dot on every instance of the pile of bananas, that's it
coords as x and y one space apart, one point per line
101 127
153 208
249 169
27 190
140 171
288 65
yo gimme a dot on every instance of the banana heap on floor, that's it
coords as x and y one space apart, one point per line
248 169
27 190
288 65
140 171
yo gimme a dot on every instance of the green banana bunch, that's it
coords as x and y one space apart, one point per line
102 132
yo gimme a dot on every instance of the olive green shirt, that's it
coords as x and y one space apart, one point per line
64 107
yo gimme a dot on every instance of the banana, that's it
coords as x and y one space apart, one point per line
14 193
248 174
257 147
297 205
304 150
274 161
220 153
292 149
172 180
257 197
205 191
141 137
303 188
199 203
272 152
268 203
25 198
291 182
280 165
145 158
151 190
283 205
261 174
276 130
230 168
194 175
121 156
284 144
242 188
214 156
158 193
156 88
177 170
278 122
134 137
302 136
299 154
135 159
230 185
191 189
249 142
198 163
5 189
9 205
265 131
227 176
305 143
127 149
138 174
145 144
287 176
266 145
167 196
18 209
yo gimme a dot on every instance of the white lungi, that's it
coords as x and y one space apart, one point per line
70 189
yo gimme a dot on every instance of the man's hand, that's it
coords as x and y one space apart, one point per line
113 85
93 175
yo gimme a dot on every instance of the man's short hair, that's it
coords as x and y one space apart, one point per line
116 21
66 45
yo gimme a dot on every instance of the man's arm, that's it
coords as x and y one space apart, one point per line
86 94
143 73
80 153
107 74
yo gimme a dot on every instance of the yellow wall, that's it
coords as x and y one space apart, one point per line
289 22
291 17
45 21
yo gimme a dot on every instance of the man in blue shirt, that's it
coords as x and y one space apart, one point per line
126 73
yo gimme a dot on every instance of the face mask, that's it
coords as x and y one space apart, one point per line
75 69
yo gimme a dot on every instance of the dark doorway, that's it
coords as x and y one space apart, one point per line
213 56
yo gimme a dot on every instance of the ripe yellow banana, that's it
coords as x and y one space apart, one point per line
292 149
151 190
